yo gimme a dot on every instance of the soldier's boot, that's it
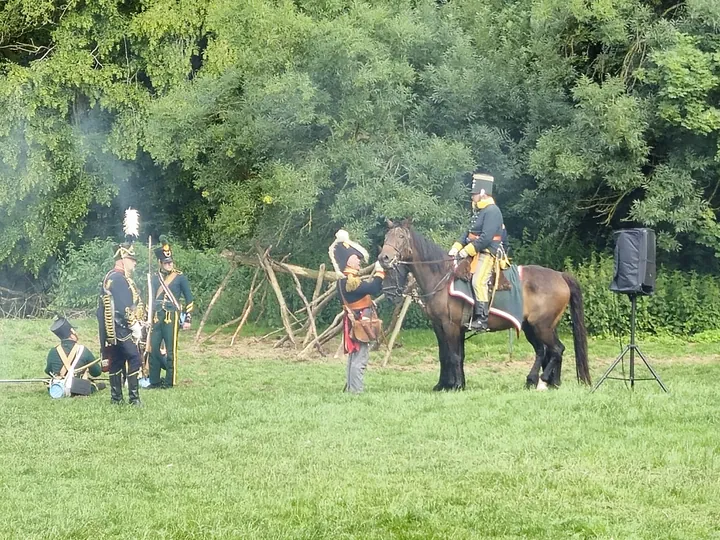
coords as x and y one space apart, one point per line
134 390
116 393
479 322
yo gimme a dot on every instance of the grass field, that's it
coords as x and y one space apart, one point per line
256 445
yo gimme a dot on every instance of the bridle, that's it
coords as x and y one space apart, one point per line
398 289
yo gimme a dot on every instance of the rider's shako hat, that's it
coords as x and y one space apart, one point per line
482 181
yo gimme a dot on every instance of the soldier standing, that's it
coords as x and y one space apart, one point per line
119 316
356 296
168 315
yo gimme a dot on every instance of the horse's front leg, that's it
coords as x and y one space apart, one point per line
456 351
443 357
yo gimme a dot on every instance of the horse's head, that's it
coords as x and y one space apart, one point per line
397 247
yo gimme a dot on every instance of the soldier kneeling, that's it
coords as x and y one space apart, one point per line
71 364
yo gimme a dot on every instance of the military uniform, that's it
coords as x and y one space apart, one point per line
355 294
482 241
62 357
120 314
167 318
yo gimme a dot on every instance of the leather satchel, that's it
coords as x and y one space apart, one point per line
368 327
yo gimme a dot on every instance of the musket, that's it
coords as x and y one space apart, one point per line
42 380
148 322
23 380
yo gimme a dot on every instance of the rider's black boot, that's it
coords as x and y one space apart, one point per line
479 322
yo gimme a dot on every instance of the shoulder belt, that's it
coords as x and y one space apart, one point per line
167 282
66 359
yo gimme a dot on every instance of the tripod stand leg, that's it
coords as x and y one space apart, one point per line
609 370
654 373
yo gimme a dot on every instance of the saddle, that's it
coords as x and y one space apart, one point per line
463 272
506 292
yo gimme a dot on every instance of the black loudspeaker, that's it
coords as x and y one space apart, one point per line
634 262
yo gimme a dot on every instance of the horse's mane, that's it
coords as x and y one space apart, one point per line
427 250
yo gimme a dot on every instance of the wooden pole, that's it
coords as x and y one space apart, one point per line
215 297
219 328
321 302
340 348
248 306
396 329
316 292
319 282
331 333
262 301
247 260
311 319
326 336
278 293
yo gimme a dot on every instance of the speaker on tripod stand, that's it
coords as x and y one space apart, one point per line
634 275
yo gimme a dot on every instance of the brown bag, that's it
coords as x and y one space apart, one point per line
368 327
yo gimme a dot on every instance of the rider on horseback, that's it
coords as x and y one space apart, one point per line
481 241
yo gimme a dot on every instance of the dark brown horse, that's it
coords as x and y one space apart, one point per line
546 294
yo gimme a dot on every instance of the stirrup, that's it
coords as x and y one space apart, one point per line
478 325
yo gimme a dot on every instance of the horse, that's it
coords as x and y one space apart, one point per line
546 294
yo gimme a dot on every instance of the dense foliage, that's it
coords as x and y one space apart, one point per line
276 122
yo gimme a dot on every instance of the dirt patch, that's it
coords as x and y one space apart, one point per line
417 360
403 359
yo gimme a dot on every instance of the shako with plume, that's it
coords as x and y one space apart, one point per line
131 230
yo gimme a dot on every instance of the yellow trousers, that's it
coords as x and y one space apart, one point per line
483 267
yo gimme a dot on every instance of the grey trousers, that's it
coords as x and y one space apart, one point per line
356 364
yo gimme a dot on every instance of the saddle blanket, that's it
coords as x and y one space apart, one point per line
505 304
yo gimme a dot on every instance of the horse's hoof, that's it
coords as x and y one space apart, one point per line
438 387
542 386
530 384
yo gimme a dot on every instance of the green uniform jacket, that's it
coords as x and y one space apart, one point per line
179 286
87 361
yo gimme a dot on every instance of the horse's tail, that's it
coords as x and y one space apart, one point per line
577 313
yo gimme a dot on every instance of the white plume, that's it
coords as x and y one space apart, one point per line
131 223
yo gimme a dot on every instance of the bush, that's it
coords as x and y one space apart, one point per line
683 304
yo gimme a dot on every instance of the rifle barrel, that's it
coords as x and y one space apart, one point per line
42 380
22 380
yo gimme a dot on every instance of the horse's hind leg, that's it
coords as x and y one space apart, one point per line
552 364
534 376
553 378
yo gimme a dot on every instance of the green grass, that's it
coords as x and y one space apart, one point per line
256 446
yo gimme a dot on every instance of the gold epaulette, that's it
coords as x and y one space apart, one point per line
353 282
